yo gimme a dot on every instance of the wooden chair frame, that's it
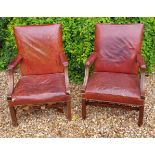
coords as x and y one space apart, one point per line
59 107
86 102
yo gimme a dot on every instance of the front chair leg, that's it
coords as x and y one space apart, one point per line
69 110
13 116
141 115
83 108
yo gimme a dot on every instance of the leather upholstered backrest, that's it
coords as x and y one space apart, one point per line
117 47
40 46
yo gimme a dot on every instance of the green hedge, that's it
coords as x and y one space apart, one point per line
78 39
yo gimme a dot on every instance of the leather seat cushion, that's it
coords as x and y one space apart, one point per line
40 88
114 87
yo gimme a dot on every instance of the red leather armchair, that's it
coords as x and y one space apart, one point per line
117 59
44 69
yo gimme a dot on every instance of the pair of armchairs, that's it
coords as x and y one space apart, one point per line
44 69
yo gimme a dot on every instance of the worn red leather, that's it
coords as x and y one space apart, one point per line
116 61
42 66
40 46
40 88
117 47
44 69
114 87
115 80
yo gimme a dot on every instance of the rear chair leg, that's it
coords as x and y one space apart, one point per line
69 110
141 115
13 116
83 109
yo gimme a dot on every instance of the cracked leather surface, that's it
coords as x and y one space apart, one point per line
114 87
117 47
39 88
40 47
42 80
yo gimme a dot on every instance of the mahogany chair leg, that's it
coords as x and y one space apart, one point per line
69 111
141 115
13 116
83 109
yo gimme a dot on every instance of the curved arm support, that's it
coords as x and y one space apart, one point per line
67 80
63 59
15 62
88 63
91 59
142 76
85 78
10 72
65 64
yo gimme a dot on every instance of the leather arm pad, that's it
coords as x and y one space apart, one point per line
15 62
140 61
63 59
91 59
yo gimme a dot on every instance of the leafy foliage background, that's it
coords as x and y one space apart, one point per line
78 38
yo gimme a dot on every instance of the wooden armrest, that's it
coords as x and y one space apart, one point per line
85 78
88 63
10 71
65 64
142 66
10 83
141 63
15 62
142 84
91 59
63 59
67 80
